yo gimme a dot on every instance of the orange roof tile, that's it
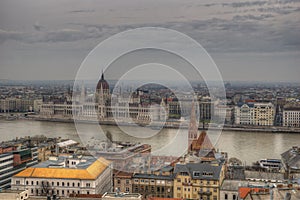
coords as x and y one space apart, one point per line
203 142
92 172
243 192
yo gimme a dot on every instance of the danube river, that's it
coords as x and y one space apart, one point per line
247 146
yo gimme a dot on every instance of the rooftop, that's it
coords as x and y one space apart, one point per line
121 195
91 169
200 170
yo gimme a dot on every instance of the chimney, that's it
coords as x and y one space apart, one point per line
287 196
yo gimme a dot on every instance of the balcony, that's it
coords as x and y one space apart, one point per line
187 184
208 193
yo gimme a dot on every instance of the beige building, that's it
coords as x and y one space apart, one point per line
198 181
66 175
123 182
254 113
14 194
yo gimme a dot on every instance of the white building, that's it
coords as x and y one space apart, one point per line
258 114
103 106
14 162
291 117
65 175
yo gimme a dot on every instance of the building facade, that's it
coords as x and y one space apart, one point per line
198 181
16 105
153 185
291 117
123 182
253 113
14 161
63 176
105 107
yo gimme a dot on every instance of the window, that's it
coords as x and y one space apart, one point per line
127 189
234 197
226 196
73 184
88 185
196 173
178 180
57 183
78 184
31 182
127 181
118 181
63 183
68 184
27 183
18 182
88 192
37 183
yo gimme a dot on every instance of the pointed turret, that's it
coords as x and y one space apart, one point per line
193 127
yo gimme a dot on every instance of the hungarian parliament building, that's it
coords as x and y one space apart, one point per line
105 107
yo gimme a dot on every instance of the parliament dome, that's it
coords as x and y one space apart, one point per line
102 82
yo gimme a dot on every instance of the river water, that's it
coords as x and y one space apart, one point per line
246 146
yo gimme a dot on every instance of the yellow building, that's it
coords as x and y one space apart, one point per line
263 114
63 176
198 181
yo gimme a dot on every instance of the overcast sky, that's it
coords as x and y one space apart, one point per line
248 40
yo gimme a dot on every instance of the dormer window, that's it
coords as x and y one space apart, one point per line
207 173
196 173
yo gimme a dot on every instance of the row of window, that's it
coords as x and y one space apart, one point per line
195 189
58 192
63 184
188 180
151 189
151 181
6 160
234 197
127 181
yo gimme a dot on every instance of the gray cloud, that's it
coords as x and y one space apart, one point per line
82 11
242 34
252 17
283 10
245 4
10 35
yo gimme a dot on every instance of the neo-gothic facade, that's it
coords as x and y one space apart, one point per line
105 108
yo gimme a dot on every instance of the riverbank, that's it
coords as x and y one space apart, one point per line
176 125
